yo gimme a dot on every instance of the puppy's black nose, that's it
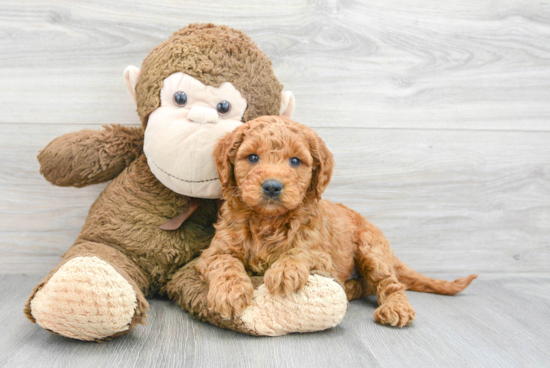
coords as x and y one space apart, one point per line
272 187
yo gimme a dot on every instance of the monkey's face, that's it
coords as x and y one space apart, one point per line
181 133
227 79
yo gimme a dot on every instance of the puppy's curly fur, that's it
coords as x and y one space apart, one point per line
286 236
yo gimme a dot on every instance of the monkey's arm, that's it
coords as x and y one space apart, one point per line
90 156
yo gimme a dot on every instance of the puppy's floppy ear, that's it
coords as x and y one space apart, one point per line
323 164
224 157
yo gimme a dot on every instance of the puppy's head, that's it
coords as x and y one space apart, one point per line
273 164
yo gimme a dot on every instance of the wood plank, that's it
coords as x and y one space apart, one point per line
489 325
467 65
448 201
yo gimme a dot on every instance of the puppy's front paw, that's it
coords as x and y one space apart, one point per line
229 299
394 314
286 279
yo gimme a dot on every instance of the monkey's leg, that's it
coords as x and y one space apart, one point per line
96 292
321 304
376 266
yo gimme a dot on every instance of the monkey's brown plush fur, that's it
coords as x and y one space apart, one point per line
213 55
287 234
121 233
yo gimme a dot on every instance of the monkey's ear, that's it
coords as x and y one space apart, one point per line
131 75
287 104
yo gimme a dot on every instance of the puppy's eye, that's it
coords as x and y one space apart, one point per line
180 98
223 107
253 158
295 161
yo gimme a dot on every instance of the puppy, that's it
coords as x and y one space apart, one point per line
274 223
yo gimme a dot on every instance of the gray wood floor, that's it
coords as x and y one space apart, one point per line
502 320
438 115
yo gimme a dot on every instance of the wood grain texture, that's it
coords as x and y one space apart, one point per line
420 64
437 114
499 321
448 200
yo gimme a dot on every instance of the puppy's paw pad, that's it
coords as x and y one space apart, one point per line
85 299
394 314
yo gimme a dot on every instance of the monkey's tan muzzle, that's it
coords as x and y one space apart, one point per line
202 115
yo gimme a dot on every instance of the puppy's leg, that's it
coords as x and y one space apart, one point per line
230 288
321 304
291 271
375 260
357 289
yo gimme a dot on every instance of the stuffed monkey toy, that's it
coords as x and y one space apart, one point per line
156 215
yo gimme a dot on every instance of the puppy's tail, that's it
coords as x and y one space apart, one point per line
417 282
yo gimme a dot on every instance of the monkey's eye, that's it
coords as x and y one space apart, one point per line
223 107
253 158
180 98
295 161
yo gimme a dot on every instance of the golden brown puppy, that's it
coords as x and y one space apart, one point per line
274 223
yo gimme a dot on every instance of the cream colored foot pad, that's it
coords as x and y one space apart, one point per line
321 304
85 299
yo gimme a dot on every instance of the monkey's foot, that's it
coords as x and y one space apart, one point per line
321 304
85 299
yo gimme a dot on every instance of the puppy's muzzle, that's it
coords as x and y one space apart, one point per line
272 188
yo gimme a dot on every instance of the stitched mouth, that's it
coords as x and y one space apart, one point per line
186 181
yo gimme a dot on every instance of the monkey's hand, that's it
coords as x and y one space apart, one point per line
90 157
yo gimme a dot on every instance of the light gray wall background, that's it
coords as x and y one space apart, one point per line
438 114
